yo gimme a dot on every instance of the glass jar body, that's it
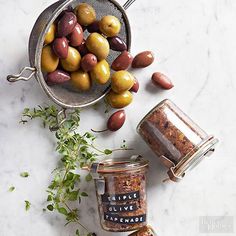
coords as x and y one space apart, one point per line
123 206
171 134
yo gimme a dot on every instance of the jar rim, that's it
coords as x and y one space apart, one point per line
191 160
122 164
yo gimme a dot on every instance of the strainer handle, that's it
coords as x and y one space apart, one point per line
21 76
61 118
128 4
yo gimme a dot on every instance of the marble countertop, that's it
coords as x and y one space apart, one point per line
195 45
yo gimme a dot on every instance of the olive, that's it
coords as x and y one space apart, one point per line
162 80
82 48
98 45
110 26
77 36
94 27
72 62
101 72
81 80
119 100
60 47
66 24
135 87
122 62
49 61
88 62
117 44
58 77
116 121
85 13
122 81
143 59
50 35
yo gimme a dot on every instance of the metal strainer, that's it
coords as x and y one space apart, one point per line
64 95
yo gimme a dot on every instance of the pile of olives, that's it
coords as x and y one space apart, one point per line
68 56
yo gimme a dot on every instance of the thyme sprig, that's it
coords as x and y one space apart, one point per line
76 151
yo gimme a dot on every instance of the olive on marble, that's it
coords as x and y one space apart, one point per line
117 100
101 72
122 81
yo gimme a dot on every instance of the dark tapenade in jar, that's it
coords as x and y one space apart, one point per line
121 193
145 231
175 138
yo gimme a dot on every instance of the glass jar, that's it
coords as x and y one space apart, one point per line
121 193
175 138
145 231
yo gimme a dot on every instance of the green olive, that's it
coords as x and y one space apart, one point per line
49 61
119 100
86 15
50 36
81 80
98 45
101 72
110 26
122 81
72 62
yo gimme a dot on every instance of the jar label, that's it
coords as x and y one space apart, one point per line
121 197
122 203
122 208
125 219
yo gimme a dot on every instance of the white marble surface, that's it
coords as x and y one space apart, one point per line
195 44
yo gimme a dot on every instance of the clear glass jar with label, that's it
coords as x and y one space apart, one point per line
145 231
179 142
121 193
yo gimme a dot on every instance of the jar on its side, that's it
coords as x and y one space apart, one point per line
145 231
175 138
121 193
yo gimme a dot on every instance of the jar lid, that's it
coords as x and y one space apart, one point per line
120 164
190 161
146 230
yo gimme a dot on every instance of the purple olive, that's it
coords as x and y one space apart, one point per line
94 27
88 62
116 121
83 49
117 44
135 87
77 36
66 24
57 77
60 47
122 62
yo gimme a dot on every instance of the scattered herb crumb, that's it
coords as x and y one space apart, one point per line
24 174
27 205
11 189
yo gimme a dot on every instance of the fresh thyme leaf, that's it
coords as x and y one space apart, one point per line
83 194
27 205
108 152
88 177
24 174
11 189
50 207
